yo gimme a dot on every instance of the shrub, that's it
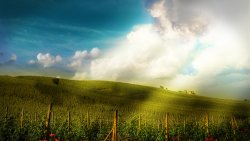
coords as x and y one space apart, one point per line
56 81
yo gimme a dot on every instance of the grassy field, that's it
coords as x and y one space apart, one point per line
101 98
35 93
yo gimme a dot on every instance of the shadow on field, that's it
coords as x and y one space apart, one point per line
51 92
241 111
192 104
241 115
116 95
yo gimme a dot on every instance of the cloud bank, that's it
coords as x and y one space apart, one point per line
196 44
82 57
46 60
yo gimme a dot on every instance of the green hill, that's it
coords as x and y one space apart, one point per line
83 110
34 94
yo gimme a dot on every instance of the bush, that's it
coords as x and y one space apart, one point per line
56 81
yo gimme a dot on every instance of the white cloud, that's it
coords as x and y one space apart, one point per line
143 56
159 54
95 52
80 55
47 60
81 58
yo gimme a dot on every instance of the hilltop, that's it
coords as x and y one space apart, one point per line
34 93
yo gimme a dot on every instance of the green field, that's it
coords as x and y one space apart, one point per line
101 98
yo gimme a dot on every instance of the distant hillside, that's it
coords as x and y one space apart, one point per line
35 93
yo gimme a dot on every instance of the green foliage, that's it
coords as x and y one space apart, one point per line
7 132
193 130
148 133
101 98
56 81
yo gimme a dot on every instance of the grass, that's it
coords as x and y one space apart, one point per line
35 93
101 98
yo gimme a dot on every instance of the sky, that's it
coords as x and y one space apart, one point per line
199 45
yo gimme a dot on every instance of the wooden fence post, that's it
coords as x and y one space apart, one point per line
88 123
234 126
100 124
69 121
166 126
178 135
212 119
139 122
207 123
81 118
158 124
114 134
7 112
21 119
47 130
184 125
35 116
52 117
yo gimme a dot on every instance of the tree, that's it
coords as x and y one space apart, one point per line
56 81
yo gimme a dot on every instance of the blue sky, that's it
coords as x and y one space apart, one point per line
61 27
182 45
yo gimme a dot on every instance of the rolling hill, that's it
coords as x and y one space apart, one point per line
35 93
84 110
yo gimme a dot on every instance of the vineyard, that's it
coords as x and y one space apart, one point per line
38 108
137 127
